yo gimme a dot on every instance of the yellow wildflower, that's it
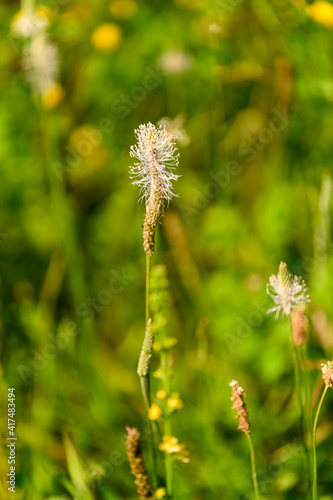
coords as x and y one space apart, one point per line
158 373
170 342
321 12
160 493
175 403
154 412
106 37
161 394
53 97
157 346
171 445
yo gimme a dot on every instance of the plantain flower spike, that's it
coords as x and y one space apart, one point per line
237 397
157 157
287 291
146 351
134 454
327 371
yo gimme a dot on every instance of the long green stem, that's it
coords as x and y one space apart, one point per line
301 414
148 268
145 383
253 467
314 484
167 427
308 409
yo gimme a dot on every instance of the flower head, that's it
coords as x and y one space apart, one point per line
154 412
237 397
135 458
174 402
287 291
41 63
327 370
153 173
156 152
321 12
171 446
26 24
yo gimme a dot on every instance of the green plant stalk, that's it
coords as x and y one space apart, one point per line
301 412
308 409
167 426
314 483
253 467
145 383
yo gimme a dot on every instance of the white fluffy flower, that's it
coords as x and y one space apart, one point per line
157 155
41 63
175 62
287 291
28 24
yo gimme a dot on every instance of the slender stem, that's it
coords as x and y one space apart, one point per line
148 268
167 426
308 412
314 484
145 383
253 466
301 414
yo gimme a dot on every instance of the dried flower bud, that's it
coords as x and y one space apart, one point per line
239 405
287 291
156 152
134 454
327 370
299 327
146 351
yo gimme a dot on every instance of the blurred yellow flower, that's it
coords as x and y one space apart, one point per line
106 37
161 394
53 97
170 445
160 493
157 346
175 403
158 373
170 342
154 412
321 12
123 9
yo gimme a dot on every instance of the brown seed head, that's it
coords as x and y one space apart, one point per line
237 396
134 454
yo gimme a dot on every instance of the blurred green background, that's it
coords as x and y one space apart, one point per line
248 88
